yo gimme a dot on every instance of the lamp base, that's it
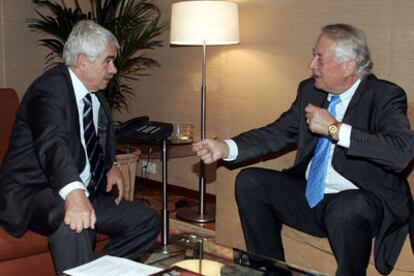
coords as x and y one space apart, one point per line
170 248
193 215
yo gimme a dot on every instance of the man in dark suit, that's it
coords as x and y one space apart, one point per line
347 182
59 171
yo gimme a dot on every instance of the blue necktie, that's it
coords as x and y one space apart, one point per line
317 173
93 148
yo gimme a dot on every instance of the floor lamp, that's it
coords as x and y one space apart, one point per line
203 23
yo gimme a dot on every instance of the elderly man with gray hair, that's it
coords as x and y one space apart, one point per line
347 184
58 176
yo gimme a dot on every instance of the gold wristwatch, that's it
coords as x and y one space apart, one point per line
333 129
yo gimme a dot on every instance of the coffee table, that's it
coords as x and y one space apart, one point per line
201 254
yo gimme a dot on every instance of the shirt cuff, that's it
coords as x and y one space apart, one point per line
233 150
344 136
70 187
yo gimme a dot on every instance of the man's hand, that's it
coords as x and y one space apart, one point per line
79 213
318 119
115 178
211 150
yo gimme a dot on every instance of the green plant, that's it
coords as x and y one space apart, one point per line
135 23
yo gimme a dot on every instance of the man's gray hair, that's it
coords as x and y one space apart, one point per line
351 45
88 38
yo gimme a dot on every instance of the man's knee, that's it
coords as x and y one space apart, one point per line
247 180
154 222
354 208
151 222
64 232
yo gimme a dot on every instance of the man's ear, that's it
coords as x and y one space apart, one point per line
81 61
349 67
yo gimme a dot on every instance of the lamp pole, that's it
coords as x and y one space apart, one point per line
202 23
201 214
204 216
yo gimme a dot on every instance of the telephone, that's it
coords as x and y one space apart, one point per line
142 130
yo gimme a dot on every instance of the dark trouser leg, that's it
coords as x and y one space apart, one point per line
266 199
132 227
351 220
70 249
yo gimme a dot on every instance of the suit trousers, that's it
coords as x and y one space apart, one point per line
267 199
132 227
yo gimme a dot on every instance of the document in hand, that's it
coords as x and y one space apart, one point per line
112 266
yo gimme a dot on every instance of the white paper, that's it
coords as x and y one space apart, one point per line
112 266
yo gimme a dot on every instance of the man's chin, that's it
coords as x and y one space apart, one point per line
317 83
104 85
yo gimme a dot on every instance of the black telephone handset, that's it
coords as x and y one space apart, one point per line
142 130
134 122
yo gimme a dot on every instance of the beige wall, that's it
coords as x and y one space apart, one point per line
20 56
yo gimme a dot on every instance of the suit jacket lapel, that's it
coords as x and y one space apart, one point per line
105 130
321 100
350 114
349 118
73 106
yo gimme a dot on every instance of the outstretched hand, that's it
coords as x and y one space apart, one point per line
210 150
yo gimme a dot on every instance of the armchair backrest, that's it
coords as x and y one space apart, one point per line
9 103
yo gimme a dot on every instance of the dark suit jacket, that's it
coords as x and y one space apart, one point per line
382 145
45 148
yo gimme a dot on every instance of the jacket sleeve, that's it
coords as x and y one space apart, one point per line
51 120
272 138
389 141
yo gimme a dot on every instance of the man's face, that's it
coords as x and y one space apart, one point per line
329 74
96 75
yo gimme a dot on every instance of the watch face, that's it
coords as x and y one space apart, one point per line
332 129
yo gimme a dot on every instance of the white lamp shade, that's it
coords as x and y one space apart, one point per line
209 22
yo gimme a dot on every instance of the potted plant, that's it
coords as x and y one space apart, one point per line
137 26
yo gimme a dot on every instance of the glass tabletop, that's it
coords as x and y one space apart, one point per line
203 256
154 151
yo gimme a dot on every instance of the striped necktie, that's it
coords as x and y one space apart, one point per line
93 148
317 174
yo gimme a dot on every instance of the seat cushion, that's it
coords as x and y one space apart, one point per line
8 107
30 244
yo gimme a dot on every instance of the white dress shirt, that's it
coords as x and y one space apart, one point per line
334 182
80 93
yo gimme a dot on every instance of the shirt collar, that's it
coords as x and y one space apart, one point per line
347 95
78 86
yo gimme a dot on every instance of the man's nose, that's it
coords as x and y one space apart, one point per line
113 68
313 62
